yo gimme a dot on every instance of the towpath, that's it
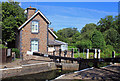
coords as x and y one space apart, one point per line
109 73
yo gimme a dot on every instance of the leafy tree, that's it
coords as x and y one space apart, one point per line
112 37
98 40
108 50
105 23
12 17
88 27
84 44
87 31
67 32
68 35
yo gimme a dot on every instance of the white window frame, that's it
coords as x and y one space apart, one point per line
34 28
34 45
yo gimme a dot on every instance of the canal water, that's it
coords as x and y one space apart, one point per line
43 76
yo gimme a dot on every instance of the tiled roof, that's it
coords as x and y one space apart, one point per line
56 42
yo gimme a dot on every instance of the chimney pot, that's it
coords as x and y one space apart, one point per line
30 12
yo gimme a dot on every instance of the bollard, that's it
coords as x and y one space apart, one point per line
87 54
54 60
72 54
113 56
60 55
65 53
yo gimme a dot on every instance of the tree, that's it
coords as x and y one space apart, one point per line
98 40
12 17
112 37
68 35
88 27
67 32
87 31
84 44
105 23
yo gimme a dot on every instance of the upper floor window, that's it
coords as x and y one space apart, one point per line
34 26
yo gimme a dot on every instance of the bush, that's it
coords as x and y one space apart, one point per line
2 46
17 52
70 48
84 44
108 51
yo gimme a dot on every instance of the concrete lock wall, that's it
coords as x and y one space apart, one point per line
28 69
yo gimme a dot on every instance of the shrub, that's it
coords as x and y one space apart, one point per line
17 52
108 51
70 48
84 44
2 46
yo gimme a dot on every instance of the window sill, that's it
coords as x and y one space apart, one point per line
34 32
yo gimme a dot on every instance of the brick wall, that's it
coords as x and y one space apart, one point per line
51 37
26 36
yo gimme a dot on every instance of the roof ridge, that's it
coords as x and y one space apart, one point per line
38 11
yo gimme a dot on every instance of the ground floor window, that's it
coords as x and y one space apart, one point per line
34 45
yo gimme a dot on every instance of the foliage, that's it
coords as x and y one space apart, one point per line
75 49
112 37
84 44
67 32
88 27
12 17
105 23
17 51
108 51
105 35
98 40
68 35
3 46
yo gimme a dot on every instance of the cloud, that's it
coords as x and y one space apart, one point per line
62 17
59 22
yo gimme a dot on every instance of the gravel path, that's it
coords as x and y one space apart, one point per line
111 73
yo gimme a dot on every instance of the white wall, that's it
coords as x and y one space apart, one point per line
51 49
64 47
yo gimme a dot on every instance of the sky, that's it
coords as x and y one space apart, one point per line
73 14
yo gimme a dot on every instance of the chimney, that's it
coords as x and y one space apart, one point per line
51 29
30 12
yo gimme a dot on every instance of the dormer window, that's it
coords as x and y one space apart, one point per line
34 28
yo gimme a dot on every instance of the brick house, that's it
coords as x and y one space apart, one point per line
34 35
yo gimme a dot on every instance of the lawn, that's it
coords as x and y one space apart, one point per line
102 55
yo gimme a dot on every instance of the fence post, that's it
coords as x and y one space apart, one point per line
72 55
87 54
65 53
54 56
98 53
95 57
113 56
60 55
80 63
95 53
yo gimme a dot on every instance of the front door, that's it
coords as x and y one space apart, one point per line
34 46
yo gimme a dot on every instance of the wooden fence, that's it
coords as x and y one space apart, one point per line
95 61
5 55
